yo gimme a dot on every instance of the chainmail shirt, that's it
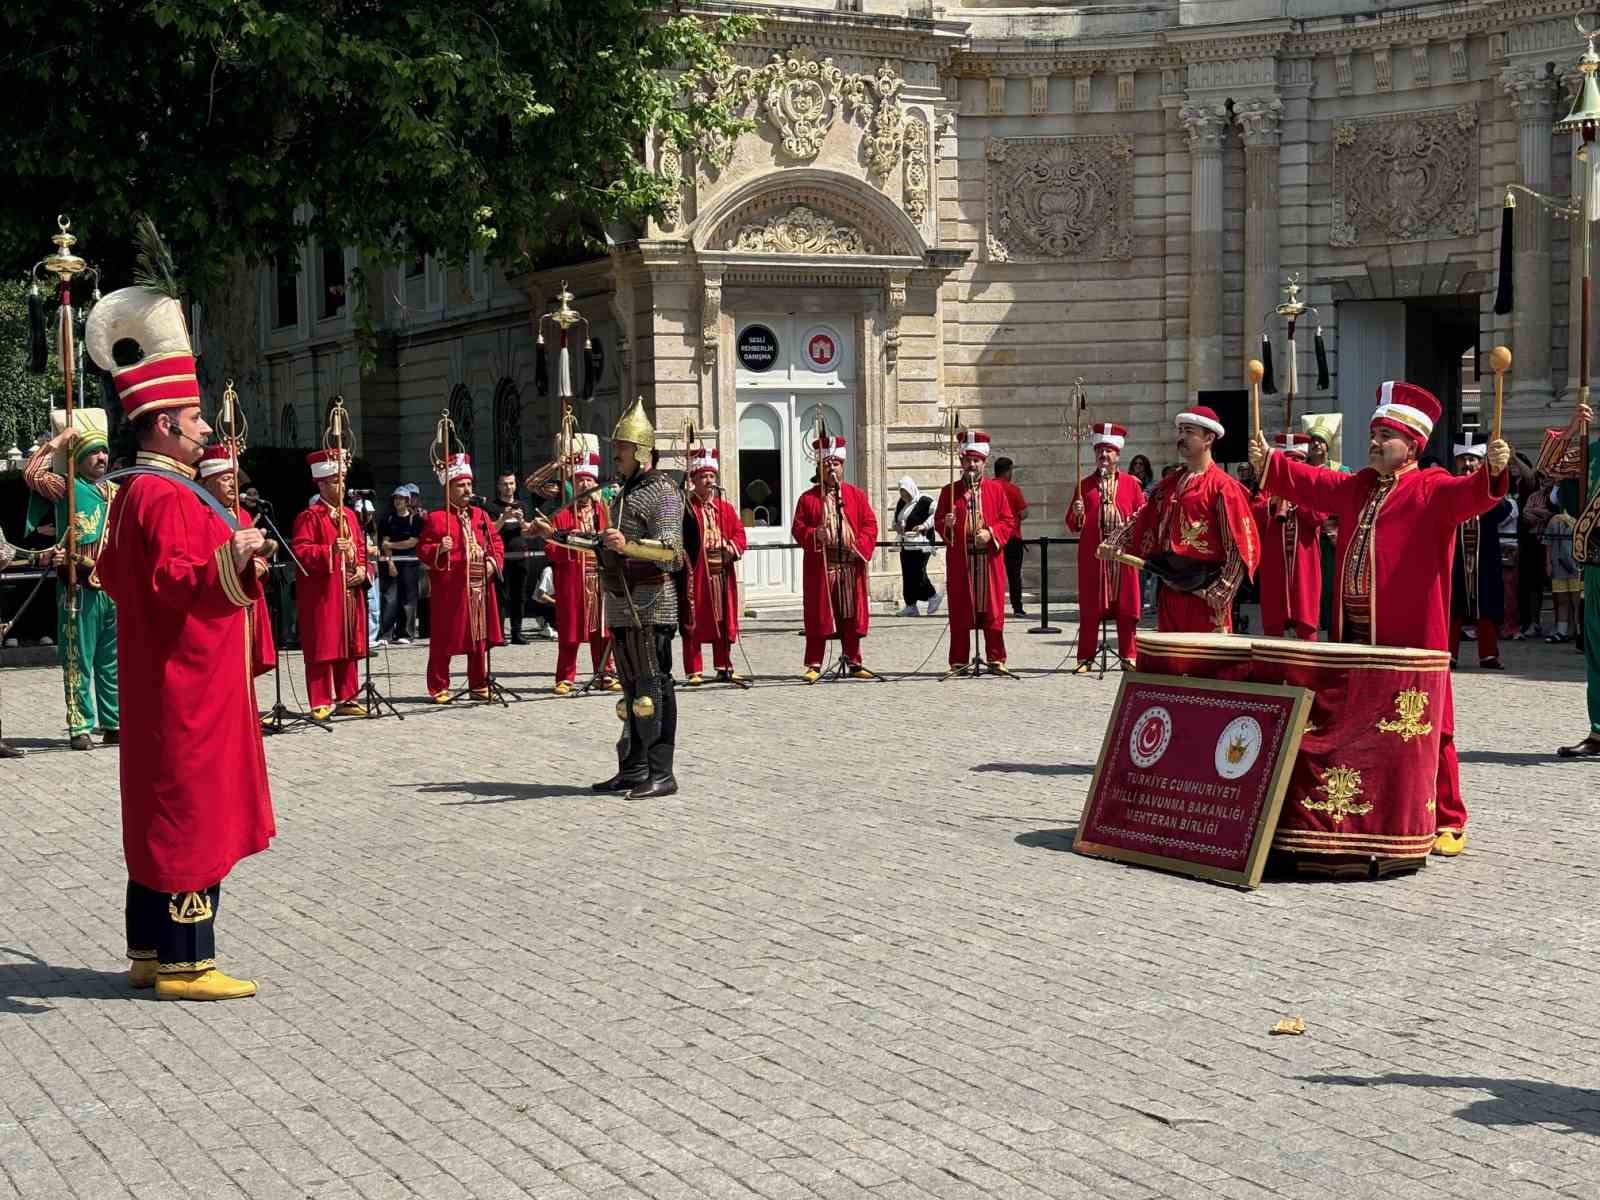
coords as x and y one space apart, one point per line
649 506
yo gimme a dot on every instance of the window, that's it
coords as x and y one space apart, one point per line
288 427
760 467
333 281
285 295
418 265
507 429
461 418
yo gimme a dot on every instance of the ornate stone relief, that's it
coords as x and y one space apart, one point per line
894 309
711 318
669 165
1060 197
916 170
1405 177
1258 119
800 230
800 97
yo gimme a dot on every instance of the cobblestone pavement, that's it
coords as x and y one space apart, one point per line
852 958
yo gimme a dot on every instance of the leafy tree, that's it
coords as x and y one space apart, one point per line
396 126
24 397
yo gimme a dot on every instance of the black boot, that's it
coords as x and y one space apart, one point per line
618 783
9 751
659 756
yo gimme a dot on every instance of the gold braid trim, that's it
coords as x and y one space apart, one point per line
232 585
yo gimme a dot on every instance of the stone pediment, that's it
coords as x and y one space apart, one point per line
807 212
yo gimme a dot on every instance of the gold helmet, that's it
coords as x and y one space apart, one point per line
635 427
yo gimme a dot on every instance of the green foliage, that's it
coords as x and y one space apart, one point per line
441 125
24 397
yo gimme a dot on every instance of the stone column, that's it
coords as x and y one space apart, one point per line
1575 329
1205 124
1533 101
1258 124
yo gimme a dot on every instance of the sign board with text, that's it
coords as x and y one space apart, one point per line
1192 775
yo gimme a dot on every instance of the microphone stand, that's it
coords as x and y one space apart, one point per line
282 717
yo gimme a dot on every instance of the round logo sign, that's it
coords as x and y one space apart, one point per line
1151 735
822 349
758 348
1238 747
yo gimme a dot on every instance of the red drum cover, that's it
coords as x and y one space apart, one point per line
1363 784
1203 655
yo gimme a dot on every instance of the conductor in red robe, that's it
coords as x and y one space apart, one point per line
193 773
1106 501
580 602
218 473
330 597
460 548
1397 536
1290 577
1196 534
713 614
837 532
974 518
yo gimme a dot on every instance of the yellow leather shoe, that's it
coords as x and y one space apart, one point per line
441 697
695 680
142 972
1083 668
480 693
350 708
811 675
210 984
613 685
563 688
1448 843
322 712
860 672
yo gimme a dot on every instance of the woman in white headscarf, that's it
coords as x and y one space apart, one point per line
913 521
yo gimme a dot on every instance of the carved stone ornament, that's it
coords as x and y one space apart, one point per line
669 165
801 97
876 98
801 230
916 173
1405 177
1060 197
711 319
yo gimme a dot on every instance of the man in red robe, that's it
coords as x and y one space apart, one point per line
837 531
193 773
1397 536
974 518
331 596
218 473
460 548
1196 534
580 604
713 614
1290 578
1106 501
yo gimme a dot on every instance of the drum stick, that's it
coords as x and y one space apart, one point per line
1499 363
1129 560
1253 371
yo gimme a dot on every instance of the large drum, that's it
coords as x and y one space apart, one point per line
1205 655
1361 798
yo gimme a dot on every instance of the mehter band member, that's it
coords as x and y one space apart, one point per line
331 596
1290 576
1196 534
218 472
1562 457
194 776
974 518
460 548
1105 503
1477 583
836 529
1397 534
86 639
641 551
575 574
713 574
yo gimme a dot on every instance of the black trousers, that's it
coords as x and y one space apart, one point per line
399 608
1014 550
514 594
646 747
178 930
914 577
1530 581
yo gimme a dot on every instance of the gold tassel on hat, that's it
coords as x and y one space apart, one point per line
635 427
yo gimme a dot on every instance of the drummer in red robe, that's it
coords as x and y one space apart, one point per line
460 548
975 520
1290 578
1196 534
580 605
1105 502
837 531
330 597
218 472
193 773
713 610
1397 535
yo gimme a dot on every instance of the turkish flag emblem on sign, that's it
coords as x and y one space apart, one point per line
821 349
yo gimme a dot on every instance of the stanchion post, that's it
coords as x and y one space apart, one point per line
1044 625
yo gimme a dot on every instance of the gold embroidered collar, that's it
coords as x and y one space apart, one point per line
149 458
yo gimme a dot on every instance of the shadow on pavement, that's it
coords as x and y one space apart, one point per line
1511 1101
1048 839
504 793
35 979
1017 768
1511 758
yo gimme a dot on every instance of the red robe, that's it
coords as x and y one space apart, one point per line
1105 587
1290 578
714 597
464 614
1205 517
995 510
863 525
580 601
263 651
193 773
333 615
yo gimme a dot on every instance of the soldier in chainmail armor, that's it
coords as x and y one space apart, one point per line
640 553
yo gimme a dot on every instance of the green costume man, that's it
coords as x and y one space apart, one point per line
86 639
1560 458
